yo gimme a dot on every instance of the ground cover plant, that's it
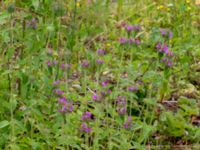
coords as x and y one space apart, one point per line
99 74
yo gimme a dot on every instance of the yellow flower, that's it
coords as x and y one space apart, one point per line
168 9
187 1
78 4
161 6
108 44
188 8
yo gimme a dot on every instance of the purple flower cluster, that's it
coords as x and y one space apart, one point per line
85 128
85 64
105 83
128 123
167 61
96 97
51 63
129 41
101 52
56 82
62 65
132 88
166 33
58 92
86 117
32 23
130 28
121 105
65 105
65 66
163 48
99 61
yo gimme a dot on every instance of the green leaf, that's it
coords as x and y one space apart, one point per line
35 4
4 124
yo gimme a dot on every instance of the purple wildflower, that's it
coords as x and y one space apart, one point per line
32 23
86 116
128 123
58 92
129 28
99 61
164 59
65 66
132 88
121 100
103 93
166 33
65 105
123 40
85 63
165 48
105 83
55 62
131 40
109 91
123 24
49 64
158 46
169 53
121 110
169 63
137 41
62 66
94 97
163 32
85 128
62 100
34 26
121 105
136 27
56 82
71 108
101 52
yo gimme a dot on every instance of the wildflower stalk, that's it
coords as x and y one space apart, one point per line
64 118
107 3
10 84
98 74
119 7
121 62
84 83
58 39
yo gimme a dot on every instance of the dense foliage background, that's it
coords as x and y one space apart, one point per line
99 74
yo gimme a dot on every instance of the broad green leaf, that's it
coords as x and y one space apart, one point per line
4 124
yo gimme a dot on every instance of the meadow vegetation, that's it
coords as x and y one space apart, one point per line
99 74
